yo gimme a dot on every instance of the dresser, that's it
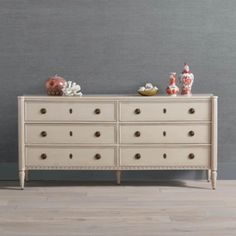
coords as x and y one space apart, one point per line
118 132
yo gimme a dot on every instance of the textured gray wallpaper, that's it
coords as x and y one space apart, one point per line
114 46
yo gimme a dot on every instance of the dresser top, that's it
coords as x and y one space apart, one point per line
117 97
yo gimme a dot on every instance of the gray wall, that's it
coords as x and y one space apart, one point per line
114 46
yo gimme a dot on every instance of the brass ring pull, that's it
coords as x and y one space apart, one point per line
97 156
137 134
191 133
43 111
43 133
137 156
43 156
97 111
97 134
191 110
191 156
137 111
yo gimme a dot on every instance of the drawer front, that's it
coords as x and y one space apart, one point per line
70 111
168 111
165 133
59 157
171 156
75 133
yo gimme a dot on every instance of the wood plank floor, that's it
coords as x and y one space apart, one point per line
73 208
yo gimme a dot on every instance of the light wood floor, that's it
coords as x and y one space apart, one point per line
72 208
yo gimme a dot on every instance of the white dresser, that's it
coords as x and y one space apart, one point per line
123 132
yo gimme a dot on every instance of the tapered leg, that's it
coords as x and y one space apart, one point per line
208 175
213 179
26 175
22 179
118 176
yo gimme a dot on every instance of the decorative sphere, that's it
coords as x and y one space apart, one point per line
54 85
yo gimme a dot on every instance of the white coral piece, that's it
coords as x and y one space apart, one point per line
141 89
148 86
71 89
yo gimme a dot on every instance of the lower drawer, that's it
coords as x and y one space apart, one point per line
165 156
70 156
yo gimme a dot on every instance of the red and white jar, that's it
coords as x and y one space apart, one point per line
172 89
186 80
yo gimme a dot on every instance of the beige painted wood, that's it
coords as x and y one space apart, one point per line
174 156
165 111
70 133
214 135
70 111
174 208
165 133
164 123
209 175
21 136
66 157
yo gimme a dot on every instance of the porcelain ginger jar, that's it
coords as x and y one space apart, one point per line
186 80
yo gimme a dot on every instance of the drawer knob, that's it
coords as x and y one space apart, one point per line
97 134
164 156
97 111
191 133
137 111
71 155
164 110
43 110
137 134
71 133
191 156
137 156
164 133
191 110
43 133
43 156
70 110
97 156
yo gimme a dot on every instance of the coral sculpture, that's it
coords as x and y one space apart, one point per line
71 89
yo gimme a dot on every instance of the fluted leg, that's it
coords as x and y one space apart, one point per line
208 175
118 176
26 175
213 179
22 179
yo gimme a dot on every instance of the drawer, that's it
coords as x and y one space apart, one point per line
163 156
70 111
69 157
165 133
73 133
166 111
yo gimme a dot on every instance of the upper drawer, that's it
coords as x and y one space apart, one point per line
69 111
165 111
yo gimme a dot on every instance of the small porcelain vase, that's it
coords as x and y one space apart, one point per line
186 80
172 89
54 85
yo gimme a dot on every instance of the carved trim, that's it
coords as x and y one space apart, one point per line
30 167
